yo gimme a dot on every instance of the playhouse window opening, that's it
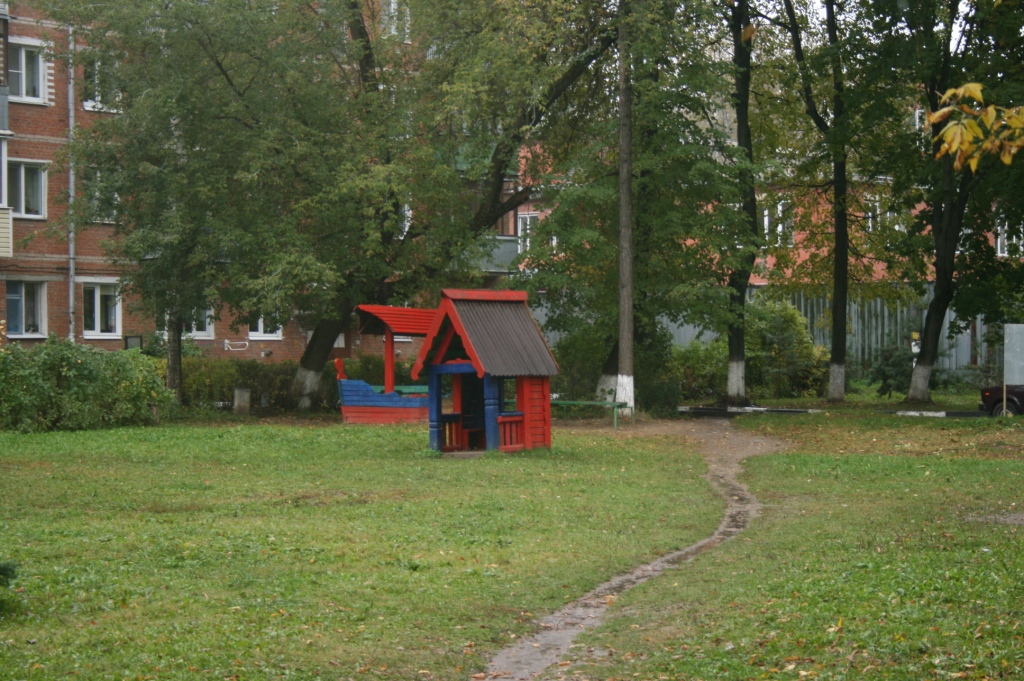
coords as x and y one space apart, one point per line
508 396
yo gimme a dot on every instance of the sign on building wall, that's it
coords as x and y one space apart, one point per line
1013 354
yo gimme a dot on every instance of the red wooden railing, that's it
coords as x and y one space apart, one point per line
510 425
451 432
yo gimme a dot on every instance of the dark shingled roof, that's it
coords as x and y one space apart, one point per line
506 338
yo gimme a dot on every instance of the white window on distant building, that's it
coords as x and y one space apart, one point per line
26 73
525 224
202 328
101 310
395 19
778 224
259 330
26 188
99 91
1008 241
26 309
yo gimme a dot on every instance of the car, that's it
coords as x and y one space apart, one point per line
992 400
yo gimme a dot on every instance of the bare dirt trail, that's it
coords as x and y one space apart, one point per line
723 448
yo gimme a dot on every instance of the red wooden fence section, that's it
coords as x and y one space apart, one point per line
510 425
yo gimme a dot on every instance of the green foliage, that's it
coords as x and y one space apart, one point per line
581 357
701 368
892 369
370 368
782 360
59 385
209 381
155 345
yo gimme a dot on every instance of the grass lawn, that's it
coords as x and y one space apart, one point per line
870 560
314 551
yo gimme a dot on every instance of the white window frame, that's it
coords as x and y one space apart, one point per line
40 308
21 44
778 232
208 333
1002 242
524 222
95 101
97 283
262 334
44 175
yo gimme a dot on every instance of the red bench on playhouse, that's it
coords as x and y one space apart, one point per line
490 346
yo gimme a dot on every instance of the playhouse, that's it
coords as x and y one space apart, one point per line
360 403
488 345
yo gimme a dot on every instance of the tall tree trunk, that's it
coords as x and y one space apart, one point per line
840 282
624 379
314 359
841 252
739 279
947 211
173 380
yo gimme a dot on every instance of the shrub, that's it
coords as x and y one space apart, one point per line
581 357
700 369
59 385
209 381
782 360
892 369
370 368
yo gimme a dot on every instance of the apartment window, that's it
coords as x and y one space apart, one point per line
1008 242
202 328
101 309
778 225
25 69
26 301
100 92
525 224
260 330
26 188
395 19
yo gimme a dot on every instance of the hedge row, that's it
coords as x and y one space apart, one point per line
60 385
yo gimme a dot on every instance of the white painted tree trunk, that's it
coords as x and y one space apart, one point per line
624 392
919 381
836 382
307 383
606 386
736 386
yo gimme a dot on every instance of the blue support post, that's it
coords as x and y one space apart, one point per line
492 397
434 410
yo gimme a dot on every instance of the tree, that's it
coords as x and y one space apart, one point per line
329 149
945 43
624 375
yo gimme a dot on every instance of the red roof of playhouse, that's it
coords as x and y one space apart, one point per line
406 321
497 332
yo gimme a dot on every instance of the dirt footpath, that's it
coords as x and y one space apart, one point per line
724 449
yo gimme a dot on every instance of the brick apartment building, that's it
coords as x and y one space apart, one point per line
58 281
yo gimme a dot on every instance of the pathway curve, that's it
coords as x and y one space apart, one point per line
723 448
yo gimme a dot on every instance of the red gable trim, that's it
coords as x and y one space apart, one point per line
475 294
407 321
447 311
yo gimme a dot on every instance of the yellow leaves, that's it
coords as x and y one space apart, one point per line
972 133
971 90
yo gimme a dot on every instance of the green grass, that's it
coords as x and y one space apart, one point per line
323 551
866 563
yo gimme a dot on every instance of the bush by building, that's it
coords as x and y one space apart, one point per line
60 385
